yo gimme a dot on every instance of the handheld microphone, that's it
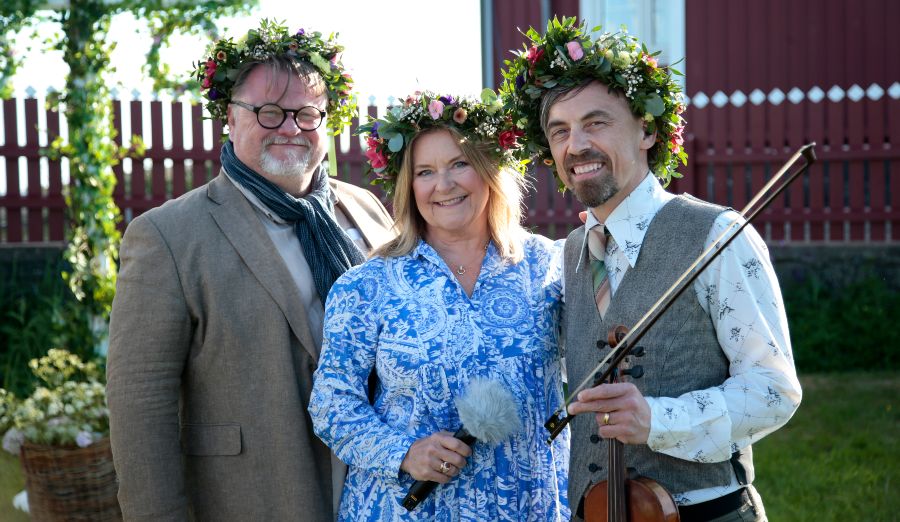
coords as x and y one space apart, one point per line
488 413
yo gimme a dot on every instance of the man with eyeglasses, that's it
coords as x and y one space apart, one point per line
217 322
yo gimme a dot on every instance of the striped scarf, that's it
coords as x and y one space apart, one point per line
327 248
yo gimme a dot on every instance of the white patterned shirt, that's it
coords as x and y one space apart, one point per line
740 293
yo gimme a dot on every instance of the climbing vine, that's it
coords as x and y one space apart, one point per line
91 149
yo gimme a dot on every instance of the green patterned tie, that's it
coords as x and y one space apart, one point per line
597 247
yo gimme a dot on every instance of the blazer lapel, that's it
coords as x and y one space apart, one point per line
369 227
238 222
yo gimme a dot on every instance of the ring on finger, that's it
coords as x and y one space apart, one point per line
606 419
445 468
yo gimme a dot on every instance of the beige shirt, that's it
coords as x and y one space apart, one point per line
285 239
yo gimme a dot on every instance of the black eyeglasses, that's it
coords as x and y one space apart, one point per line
272 116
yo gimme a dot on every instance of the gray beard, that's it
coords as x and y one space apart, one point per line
596 192
295 164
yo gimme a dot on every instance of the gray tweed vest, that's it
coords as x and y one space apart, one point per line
682 353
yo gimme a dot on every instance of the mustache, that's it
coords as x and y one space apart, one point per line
284 140
586 156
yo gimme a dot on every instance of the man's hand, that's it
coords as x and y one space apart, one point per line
620 410
426 456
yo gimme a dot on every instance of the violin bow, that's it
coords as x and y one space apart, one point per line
767 194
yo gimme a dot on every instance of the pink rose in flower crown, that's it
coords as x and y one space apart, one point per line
508 138
676 139
460 115
412 99
435 109
210 67
207 82
575 51
651 61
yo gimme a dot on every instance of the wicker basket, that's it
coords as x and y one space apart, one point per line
70 483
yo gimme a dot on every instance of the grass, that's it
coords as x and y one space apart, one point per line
11 483
837 459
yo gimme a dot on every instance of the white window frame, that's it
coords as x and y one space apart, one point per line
594 12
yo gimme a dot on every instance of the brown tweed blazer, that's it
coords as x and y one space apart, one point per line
211 362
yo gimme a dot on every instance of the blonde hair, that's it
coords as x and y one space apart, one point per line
504 208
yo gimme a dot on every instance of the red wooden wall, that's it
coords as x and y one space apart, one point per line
511 16
733 49
837 61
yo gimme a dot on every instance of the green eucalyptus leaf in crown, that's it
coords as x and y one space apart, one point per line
566 56
481 121
218 71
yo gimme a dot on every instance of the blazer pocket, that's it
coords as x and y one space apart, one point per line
211 439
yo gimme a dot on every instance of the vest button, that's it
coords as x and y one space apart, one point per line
595 438
593 467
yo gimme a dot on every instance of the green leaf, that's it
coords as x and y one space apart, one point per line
563 54
654 105
395 143
488 96
320 63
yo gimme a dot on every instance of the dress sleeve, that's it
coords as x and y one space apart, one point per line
740 293
342 415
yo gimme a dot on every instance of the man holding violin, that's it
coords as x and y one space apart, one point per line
718 373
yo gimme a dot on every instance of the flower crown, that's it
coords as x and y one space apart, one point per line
566 56
479 121
219 71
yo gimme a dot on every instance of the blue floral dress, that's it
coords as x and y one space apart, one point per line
410 318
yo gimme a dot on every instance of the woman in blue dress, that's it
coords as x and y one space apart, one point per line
463 294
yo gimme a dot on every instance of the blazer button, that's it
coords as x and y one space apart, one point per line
595 438
593 467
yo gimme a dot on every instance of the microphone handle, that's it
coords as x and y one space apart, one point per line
422 488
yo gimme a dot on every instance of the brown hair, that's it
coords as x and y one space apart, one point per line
307 73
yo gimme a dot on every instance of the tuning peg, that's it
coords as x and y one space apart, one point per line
637 351
601 345
636 372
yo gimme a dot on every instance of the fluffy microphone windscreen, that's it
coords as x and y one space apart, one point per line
488 411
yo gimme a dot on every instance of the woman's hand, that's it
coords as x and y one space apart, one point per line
428 455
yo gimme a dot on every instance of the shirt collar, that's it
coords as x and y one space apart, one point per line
492 261
629 221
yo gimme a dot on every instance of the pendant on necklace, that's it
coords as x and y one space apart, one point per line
460 270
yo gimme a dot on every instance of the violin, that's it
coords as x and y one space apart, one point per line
624 495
